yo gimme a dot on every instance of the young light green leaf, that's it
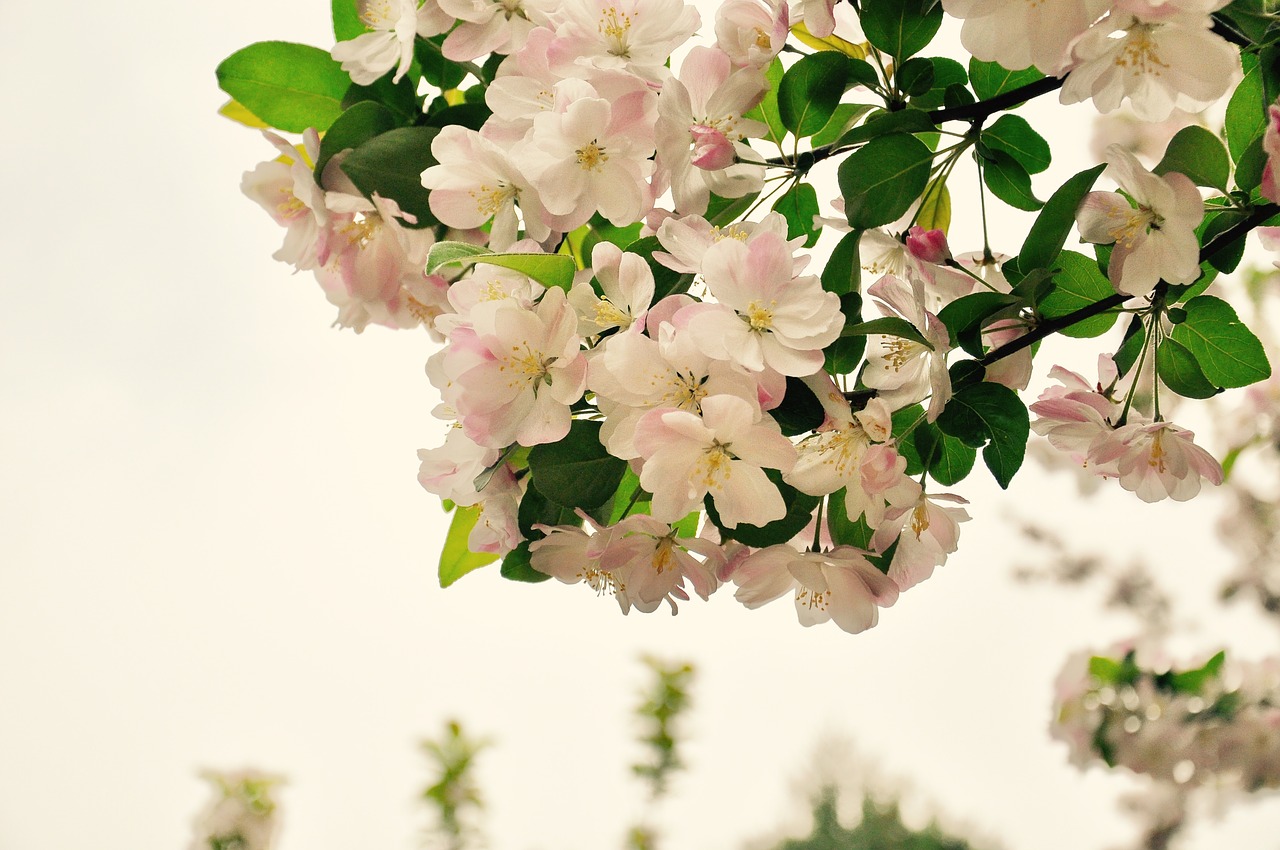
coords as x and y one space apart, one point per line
289 86
456 560
547 269
935 210
1227 352
1246 112
1198 154
346 20
881 180
767 109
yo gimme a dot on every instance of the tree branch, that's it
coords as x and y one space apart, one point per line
1052 326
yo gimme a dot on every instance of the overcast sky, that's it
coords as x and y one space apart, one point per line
216 553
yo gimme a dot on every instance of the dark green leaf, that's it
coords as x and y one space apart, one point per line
517 567
1049 232
947 73
842 120
885 123
1014 136
1246 111
353 128
889 326
846 532
1228 353
1131 346
391 165
1077 284
1009 181
289 86
440 72
469 115
798 205
537 509
898 28
810 90
982 412
915 76
843 272
800 410
576 472
881 180
399 98
1180 372
990 80
953 460
964 318
1251 165
1198 154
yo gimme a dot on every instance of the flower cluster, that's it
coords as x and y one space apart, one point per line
645 385
1216 724
1160 55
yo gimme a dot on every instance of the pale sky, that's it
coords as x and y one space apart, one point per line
217 554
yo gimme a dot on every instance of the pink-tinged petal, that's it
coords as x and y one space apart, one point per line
744 494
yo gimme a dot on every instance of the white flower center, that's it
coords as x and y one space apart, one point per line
760 317
1139 54
490 199
376 14
592 156
615 26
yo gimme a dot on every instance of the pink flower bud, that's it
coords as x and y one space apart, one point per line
711 150
929 246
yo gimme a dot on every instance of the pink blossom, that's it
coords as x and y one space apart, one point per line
839 585
926 533
395 24
1270 187
752 32
929 246
1157 461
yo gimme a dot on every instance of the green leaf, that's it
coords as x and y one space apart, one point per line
456 560
516 566
798 205
990 80
810 90
1228 352
537 509
767 109
965 316
391 165
1246 111
576 472
990 412
289 86
440 72
899 28
843 272
846 115
915 76
881 180
953 460
1180 372
1077 284
947 73
552 270
1130 346
665 281
1193 681
346 20
399 98
1009 181
844 531
360 123
843 356
1198 154
1014 136
1049 232
1253 161
884 123
629 488
469 115
800 410
889 326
